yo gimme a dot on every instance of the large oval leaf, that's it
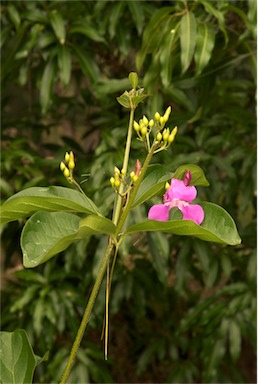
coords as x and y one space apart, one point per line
46 234
53 198
17 360
218 226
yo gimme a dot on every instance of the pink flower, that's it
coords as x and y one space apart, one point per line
179 195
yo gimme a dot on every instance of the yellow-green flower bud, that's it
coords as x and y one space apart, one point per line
66 172
165 118
62 166
112 181
145 120
157 116
136 126
71 156
144 131
71 164
135 178
67 157
167 186
159 136
132 174
172 135
116 171
165 136
117 183
151 123
168 111
161 120
123 172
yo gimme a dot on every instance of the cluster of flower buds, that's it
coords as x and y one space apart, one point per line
163 136
143 128
115 180
68 165
120 176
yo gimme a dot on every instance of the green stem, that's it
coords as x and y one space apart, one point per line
87 312
119 202
135 190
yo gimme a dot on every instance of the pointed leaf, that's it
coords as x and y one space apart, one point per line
53 198
64 64
133 77
58 25
84 28
87 64
234 340
218 226
47 234
204 45
17 360
187 39
46 85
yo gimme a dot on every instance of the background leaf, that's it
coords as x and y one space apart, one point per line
187 39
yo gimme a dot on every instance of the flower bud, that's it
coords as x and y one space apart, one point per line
168 111
135 178
117 183
112 181
71 156
159 136
161 120
116 171
151 123
123 171
187 178
145 120
144 131
66 172
165 135
71 164
172 135
157 116
167 186
136 126
67 157
132 174
62 166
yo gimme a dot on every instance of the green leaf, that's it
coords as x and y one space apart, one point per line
204 45
152 184
198 177
46 85
234 340
17 360
124 100
218 15
53 198
133 77
87 64
47 234
58 25
87 30
187 39
14 15
64 64
218 226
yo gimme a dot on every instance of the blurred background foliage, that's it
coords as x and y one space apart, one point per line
182 310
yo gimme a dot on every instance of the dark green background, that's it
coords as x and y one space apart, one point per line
182 311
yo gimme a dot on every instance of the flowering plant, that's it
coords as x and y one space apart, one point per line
54 223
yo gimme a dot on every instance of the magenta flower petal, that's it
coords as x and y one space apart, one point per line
192 212
179 191
159 212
